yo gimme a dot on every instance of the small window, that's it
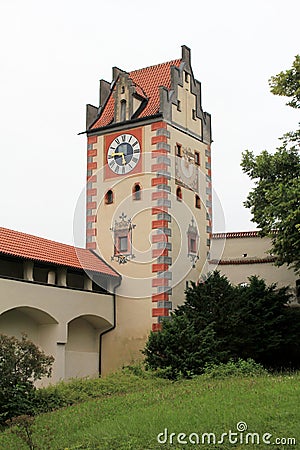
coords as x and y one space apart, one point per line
186 77
123 244
197 201
197 158
109 197
123 111
136 192
194 114
193 245
122 90
178 105
179 194
178 150
75 279
11 267
193 242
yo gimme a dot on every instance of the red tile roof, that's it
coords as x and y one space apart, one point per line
147 81
230 262
27 246
236 235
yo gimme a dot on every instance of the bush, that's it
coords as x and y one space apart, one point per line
180 350
239 368
21 364
49 399
219 322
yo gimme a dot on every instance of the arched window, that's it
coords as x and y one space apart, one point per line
179 194
123 111
136 192
109 197
179 150
197 201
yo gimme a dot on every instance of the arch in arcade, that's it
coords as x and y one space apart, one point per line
38 325
82 350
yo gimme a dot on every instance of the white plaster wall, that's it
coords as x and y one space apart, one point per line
46 313
82 349
14 323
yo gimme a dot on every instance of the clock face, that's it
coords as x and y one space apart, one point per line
187 168
123 154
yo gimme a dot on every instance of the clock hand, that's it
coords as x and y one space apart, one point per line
119 154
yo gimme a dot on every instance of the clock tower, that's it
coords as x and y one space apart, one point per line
148 210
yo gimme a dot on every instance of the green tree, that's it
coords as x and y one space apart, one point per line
275 200
219 322
265 326
21 364
287 84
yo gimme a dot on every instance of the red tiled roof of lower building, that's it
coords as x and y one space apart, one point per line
236 234
27 246
147 81
231 262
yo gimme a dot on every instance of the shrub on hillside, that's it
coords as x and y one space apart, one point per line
21 364
179 349
239 368
219 322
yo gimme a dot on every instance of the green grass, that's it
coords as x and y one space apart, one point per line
127 411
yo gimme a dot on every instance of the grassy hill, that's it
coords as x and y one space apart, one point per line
127 412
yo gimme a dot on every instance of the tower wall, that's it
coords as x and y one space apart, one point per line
149 197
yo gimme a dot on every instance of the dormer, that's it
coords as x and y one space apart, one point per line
129 99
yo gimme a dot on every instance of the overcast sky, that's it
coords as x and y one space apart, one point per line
54 53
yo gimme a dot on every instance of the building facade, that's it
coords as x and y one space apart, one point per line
240 255
148 230
148 194
50 292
